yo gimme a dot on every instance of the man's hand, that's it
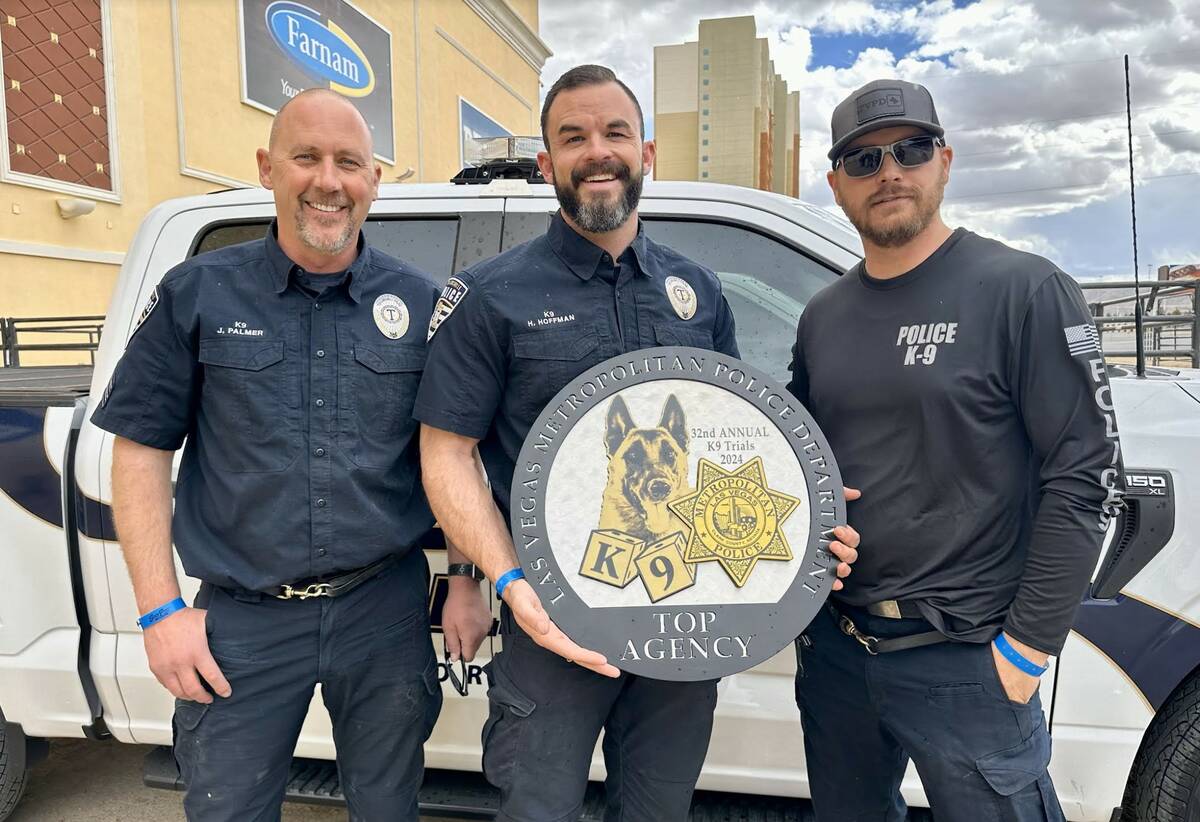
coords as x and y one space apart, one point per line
466 619
177 648
845 547
534 620
1018 685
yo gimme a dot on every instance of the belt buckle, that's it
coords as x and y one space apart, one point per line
851 630
889 608
316 589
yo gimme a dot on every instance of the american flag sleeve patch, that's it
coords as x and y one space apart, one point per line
1082 339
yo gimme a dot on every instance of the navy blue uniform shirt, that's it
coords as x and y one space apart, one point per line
508 333
301 458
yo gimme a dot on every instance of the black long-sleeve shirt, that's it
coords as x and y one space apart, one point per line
968 399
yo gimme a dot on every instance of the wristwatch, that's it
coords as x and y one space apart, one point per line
465 569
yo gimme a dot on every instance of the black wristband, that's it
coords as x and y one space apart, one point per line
464 569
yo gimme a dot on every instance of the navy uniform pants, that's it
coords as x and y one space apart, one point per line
546 715
981 757
372 654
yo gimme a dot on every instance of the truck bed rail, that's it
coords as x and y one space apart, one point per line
1168 333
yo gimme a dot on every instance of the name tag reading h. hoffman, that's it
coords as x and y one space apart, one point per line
673 509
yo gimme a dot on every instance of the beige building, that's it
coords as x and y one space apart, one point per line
722 114
112 106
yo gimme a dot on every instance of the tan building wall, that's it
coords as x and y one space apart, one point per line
180 128
779 135
746 128
676 79
675 138
792 122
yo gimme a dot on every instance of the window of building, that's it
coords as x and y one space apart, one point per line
705 126
475 125
56 100
705 157
705 141
706 98
703 173
706 52
705 112
706 81
766 282
706 66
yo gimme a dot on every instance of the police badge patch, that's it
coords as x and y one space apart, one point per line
391 316
151 304
108 390
682 297
673 509
452 295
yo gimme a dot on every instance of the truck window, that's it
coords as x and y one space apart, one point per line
426 243
766 282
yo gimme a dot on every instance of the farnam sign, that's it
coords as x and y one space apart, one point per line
288 47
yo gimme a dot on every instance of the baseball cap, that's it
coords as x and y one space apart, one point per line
882 104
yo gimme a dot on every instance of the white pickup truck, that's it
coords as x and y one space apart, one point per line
1123 700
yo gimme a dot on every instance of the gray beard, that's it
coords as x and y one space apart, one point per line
313 240
600 216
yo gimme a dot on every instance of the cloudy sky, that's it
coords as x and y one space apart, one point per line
1031 92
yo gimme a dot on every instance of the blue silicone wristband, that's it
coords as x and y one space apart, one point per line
511 576
161 612
1014 656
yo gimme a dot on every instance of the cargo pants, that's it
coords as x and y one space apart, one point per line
981 756
545 715
372 654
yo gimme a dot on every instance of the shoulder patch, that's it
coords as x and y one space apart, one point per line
452 295
151 304
108 390
1082 339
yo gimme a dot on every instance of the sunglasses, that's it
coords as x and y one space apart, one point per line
458 679
908 153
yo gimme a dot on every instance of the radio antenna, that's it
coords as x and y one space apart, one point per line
1137 289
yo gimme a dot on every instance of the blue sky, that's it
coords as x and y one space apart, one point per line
841 50
1031 93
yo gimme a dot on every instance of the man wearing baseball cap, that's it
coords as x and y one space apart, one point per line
962 389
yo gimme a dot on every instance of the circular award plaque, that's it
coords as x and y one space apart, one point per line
673 509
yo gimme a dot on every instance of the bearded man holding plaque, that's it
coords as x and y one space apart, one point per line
505 337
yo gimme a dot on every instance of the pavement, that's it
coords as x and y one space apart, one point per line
85 781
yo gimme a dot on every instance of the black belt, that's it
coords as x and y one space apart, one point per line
875 645
330 585
895 609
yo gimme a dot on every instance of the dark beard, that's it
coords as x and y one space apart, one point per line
600 216
895 234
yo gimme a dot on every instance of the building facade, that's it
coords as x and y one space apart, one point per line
112 106
722 114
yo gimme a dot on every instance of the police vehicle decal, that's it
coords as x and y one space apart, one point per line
1155 649
27 476
94 518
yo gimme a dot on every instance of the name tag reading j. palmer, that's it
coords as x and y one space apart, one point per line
673 509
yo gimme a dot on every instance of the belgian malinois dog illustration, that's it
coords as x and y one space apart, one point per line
647 467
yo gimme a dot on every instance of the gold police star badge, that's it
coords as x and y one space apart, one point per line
735 519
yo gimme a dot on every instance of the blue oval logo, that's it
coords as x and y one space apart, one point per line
325 52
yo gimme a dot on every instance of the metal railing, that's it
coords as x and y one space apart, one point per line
15 333
1174 337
